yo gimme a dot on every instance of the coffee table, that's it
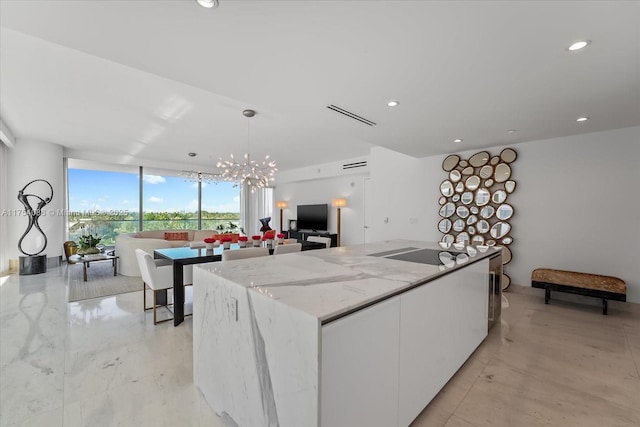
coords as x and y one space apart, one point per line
88 259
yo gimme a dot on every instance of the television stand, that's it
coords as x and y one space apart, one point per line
303 234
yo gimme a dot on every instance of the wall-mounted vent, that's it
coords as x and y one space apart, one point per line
350 115
355 165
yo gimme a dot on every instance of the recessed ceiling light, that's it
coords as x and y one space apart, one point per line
208 3
392 103
579 45
457 140
511 131
192 154
582 119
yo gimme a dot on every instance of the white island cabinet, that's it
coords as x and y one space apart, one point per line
346 336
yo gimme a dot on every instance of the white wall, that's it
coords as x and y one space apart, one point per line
576 203
321 191
4 201
30 160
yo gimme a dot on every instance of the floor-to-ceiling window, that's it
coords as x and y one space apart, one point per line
103 200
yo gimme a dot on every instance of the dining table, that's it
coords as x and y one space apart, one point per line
182 256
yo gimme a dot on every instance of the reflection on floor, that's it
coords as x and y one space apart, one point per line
102 362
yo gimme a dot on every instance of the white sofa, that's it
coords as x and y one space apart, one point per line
127 243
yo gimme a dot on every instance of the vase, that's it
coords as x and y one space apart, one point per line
226 245
242 244
88 251
209 246
256 243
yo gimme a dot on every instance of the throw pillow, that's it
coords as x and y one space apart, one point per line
176 235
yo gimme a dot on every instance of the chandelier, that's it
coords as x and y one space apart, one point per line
254 174
194 176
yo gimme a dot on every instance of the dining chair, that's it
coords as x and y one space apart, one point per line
230 255
320 239
155 277
287 249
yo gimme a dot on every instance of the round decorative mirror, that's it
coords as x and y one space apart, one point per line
479 159
499 197
463 163
455 197
490 242
467 171
486 171
442 200
472 220
510 186
462 211
508 155
483 226
506 281
448 238
447 210
488 183
467 197
471 230
487 211
482 197
506 255
504 212
472 183
500 229
507 240
458 225
455 175
474 210
477 239
450 162
444 225
462 237
494 160
459 187
446 188
502 173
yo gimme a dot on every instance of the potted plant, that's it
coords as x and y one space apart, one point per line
87 244
208 243
279 238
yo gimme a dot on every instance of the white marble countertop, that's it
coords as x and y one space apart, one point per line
329 283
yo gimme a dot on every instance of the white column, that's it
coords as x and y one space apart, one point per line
27 161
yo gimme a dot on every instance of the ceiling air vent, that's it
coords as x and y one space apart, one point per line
354 165
350 115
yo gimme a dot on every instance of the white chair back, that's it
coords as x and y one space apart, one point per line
287 249
155 277
320 239
230 255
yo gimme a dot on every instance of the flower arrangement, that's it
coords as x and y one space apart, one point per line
269 235
280 236
256 237
209 240
87 243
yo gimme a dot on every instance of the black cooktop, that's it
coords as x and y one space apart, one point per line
421 256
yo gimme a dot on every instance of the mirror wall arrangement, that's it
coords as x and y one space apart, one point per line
474 202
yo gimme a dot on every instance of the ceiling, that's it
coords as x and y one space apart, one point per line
142 81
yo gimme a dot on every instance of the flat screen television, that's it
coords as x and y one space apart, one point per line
312 217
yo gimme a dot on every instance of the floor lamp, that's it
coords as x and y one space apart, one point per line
339 203
281 205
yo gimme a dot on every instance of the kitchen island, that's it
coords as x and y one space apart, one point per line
349 336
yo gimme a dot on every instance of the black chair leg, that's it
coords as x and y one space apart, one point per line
547 295
604 306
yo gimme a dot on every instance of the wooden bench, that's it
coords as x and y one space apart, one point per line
592 285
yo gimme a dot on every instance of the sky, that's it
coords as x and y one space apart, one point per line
118 191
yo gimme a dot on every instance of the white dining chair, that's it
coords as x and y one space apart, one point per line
230 255
287 249
320 239
155 277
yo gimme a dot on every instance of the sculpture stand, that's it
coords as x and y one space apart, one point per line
35 264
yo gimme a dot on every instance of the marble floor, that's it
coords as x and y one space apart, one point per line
102 362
